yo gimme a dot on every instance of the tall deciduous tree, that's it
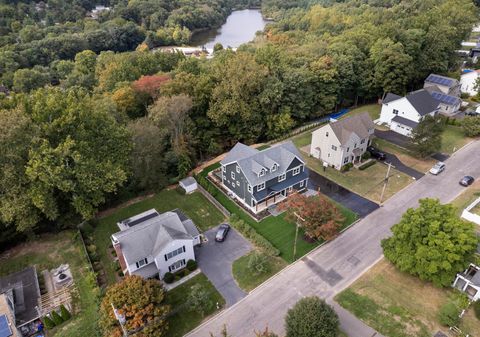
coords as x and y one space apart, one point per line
427 136
311 317
140 302
431 242
318 216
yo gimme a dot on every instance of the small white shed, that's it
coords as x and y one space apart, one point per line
189 184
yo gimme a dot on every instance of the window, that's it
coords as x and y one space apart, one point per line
301 183
334 148
355 145
224 168
329 155
141 263
177 265
282 177
232 175
238 169
296 171
174 253
345 160
261 187
395 111
249 188
274 167
224 176
290 189
262 173
326 134
348 149
362 141
238 183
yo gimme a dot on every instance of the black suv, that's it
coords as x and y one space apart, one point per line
222 232
377 154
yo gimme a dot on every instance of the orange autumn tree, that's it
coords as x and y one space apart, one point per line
150 84
317 215
140 302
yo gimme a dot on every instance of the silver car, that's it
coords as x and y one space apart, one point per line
437 168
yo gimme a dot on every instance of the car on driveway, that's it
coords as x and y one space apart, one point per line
222 232
466 181
437 168
377 154
472 113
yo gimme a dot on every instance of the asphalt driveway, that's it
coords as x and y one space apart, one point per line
349 199
215 259
393 137
391 158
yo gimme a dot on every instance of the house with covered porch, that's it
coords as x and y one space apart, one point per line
469 282
259 179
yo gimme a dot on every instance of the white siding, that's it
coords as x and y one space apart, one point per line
321 141
189 254
404 108
467 83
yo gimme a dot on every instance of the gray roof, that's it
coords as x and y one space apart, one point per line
422 101
150 237
441 80
404 121
390 98
359 124
23 285
188 181
252 161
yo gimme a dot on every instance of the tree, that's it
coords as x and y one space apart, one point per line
431 242
64 313
199 299
150 85
311 317
265 333
318 216
140 302
25 80
427 136
471 126
128 102
257 263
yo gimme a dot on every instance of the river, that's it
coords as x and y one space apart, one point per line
239 28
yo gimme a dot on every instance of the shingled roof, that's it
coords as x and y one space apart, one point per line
441 80
359 124
422 101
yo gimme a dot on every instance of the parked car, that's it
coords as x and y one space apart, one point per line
437 168
222 232
472 113
376 153
466 181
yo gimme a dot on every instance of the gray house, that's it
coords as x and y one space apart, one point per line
259 179
447 85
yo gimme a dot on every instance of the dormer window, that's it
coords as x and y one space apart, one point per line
274 168
141 263
262 172
326 134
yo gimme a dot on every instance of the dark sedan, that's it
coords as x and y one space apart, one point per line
222 232
466 181
377 154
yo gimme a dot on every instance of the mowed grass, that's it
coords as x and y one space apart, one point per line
204 214
400 305
467 197
367 183
48 252
302 139
184 319
372 109
453 139
244 276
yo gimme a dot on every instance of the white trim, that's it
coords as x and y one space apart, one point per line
261 187
290 188
302 183
282 177
232 175
224 168
296 170
249 188
274 168
237 169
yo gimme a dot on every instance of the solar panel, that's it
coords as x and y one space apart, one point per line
5 330
142 219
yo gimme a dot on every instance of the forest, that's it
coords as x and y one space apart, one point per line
90 116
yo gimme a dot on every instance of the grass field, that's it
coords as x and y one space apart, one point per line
303 139
50 251
367 183
246 279
196 206
467 197
372 109
276 229
184 319
453 139
399 305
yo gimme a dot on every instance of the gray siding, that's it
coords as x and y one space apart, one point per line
240 189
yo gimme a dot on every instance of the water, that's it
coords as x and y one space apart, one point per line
239 28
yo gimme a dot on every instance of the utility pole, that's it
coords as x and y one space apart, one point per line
385 182
121 320
296 234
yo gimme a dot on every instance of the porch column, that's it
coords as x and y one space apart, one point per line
466 285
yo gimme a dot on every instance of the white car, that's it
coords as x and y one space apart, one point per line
437 168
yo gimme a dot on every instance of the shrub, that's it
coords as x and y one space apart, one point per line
367 165
449 314
191 265
476 308
471 126
56 318
199 299
366 155
64 313
180 273
257 263
346 167
168 277
180 190
250 233
120 273
47 321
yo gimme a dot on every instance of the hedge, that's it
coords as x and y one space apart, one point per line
49 324
251 234
367 165
191 265
64 313
56 318
168 277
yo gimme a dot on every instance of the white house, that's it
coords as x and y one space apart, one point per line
402 114
151 244
344 141
468 80
189 184
447 85
469 282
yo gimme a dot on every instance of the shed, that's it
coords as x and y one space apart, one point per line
189 184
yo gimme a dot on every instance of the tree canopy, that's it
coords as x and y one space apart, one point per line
431 242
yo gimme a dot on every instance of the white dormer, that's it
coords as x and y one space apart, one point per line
261 173
274 167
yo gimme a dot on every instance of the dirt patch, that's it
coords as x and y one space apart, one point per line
112 210
42 245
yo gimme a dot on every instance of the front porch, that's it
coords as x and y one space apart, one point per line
269 201
469 282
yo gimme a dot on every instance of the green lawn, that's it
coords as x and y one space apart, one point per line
196 206
453 139
400 305
467 197
50 251
372 109
303 139
277 230
263 147
246 279
185 320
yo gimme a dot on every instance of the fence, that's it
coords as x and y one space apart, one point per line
90 265
466 214
213 200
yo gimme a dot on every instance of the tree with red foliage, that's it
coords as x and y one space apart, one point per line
317 215
150 85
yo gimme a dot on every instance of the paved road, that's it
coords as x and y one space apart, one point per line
334 266
391 158
215 260
349 199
